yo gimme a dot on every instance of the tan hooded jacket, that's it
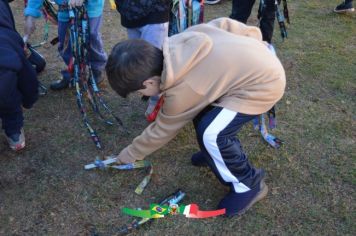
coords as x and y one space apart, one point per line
223 63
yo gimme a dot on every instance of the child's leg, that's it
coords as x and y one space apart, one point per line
267 20
216 129
155 34
98 56
64 49
133 33
64 46
12 122
241 10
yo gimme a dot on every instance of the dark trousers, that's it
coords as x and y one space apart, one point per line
12 122
348 1
216 129
241 11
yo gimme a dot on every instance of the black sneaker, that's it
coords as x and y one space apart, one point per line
238 203
63 83
344 8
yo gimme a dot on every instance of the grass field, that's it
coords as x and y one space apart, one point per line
44 190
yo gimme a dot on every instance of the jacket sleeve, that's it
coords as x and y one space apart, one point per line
10 64
138 9
28 84
236 27
33 8
18 80
176 112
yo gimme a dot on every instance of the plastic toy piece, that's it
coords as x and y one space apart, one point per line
138 164
100 163
259 123
152 117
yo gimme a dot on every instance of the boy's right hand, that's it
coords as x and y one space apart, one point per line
30 25
124 157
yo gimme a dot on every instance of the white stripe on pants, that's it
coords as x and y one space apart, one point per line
221 121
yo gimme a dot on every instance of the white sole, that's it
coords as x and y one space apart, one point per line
262 194
345 11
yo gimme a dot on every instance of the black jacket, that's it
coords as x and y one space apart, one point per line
18 80
137 13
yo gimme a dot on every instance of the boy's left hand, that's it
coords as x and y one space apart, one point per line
124 157
75 3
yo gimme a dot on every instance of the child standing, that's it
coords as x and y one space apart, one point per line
241 11
147 20
98 56
18 81
219 75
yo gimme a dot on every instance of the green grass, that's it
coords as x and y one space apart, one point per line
44 190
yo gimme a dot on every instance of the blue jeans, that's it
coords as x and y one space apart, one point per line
97 54
216 129
153 33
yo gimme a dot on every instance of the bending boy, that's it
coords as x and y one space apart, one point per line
219 75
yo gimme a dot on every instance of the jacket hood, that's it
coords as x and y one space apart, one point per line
6 17
181 53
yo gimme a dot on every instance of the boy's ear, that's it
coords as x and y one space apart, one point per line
148 82
151 81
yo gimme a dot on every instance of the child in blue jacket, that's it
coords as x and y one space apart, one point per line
18 81
98 56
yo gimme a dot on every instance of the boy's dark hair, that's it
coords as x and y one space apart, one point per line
130 63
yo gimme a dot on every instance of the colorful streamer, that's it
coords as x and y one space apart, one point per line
174 198
259 123
159 211
81 70
136 165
